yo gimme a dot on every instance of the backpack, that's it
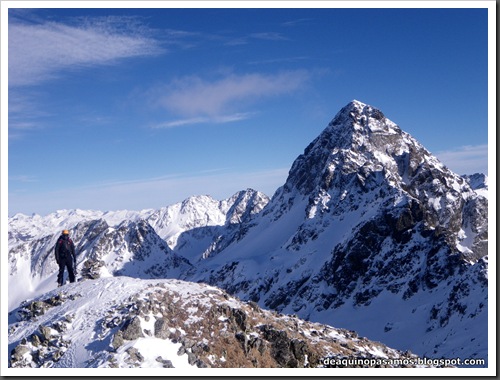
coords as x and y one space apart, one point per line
64 247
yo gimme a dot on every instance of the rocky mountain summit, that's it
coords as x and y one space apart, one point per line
370 232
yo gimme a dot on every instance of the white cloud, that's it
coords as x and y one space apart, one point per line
38 52
195 97
466 160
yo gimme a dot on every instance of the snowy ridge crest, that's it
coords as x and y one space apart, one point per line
131 323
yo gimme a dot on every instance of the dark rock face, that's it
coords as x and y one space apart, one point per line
288 353
161 328
131 329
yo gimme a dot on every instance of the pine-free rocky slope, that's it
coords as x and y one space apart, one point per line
370 232
120 322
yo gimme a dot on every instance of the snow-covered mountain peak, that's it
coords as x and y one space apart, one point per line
363 151
356 102
382 213
355 106
359 136
360 117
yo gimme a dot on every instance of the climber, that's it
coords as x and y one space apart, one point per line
65 257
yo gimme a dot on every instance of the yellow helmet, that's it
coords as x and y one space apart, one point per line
65 232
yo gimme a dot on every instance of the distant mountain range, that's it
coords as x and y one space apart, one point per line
370 232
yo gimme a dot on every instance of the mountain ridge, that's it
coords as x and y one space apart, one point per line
367 220
115 322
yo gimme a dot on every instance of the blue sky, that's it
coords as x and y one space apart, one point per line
140 108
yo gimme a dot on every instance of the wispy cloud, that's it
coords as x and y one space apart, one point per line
468 159
271 36
193 97
23 179
202 120
40 51
277 60
25 114
299 21
237 41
